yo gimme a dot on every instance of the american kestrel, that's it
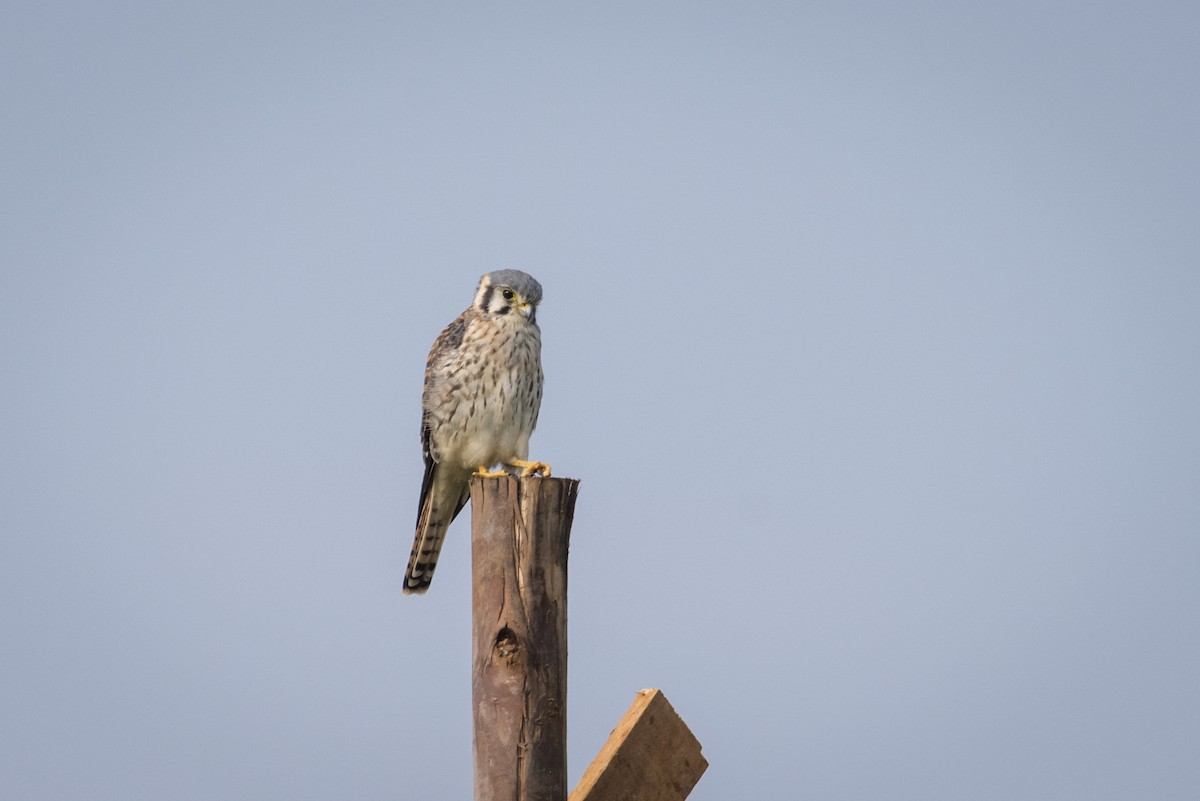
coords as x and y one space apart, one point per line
483 390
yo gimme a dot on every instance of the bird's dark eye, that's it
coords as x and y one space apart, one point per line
508 294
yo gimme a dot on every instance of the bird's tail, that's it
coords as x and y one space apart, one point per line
442 497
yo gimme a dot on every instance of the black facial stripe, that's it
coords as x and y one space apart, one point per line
487 298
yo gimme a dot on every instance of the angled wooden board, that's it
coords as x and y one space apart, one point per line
650 756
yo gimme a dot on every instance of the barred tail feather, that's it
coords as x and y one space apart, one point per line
443 495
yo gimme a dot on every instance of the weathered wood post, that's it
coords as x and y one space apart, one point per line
520 528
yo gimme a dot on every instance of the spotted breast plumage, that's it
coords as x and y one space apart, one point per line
483 391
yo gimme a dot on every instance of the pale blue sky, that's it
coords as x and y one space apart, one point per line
871 330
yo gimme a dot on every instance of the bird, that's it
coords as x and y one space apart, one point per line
479 407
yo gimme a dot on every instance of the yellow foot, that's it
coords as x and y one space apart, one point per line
483 472
531 468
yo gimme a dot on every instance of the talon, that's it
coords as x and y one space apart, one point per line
532 468
483 472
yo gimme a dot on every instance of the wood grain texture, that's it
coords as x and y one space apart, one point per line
520 533
650 756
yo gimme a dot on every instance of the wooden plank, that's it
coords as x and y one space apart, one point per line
650 756
520 529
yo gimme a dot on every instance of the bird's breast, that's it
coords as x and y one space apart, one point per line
485 405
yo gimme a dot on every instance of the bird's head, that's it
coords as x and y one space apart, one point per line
508 291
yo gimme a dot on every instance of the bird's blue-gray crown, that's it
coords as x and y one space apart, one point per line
501 291
522 283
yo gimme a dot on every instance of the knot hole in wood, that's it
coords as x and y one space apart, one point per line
506 645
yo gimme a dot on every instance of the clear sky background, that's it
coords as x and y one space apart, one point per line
872 330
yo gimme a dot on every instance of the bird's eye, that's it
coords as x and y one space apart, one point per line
508 294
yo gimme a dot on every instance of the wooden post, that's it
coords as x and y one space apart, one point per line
650 756
520 528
